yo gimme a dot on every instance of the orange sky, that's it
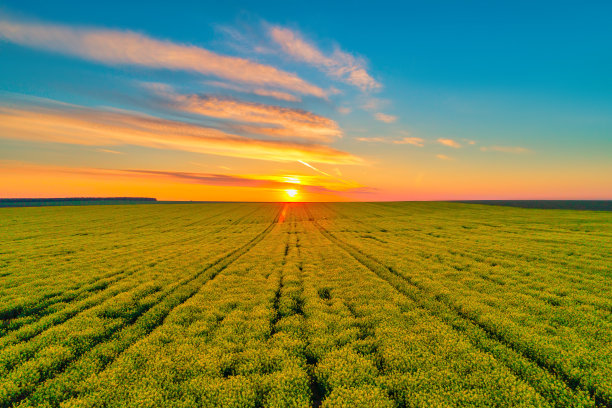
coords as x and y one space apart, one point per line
258 109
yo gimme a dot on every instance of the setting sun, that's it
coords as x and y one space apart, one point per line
291 193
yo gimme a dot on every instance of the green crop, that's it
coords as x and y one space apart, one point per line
331 305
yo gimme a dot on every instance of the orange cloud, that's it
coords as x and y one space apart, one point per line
283 96
340 65
449 143
95 127
506 149
293 123
415 141
24 179
443 157
114 47
383 117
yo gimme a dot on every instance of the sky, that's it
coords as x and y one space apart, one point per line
308 101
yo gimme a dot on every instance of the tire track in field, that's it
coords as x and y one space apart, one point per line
105 282
205 220
129 244
295 294
97 285
531 369
601 396
48 321
143 324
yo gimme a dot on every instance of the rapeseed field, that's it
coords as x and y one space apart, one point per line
305 305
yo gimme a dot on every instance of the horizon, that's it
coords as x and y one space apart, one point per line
274 102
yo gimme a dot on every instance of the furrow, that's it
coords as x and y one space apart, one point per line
561 391
139 327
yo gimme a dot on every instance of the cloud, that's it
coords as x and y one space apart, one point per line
415 141
314 184
383 117
109 151
339 65
372 104
449 143
306 183
115 47
506 149
373 139
286 122
209 179
443 157
72 124
283 96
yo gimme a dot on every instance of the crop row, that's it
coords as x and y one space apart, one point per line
470 311
113 326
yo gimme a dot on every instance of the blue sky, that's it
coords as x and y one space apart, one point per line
482 94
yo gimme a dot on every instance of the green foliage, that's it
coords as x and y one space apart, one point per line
336 305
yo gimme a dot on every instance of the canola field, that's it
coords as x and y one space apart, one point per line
305 305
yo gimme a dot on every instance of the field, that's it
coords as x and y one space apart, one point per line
302 305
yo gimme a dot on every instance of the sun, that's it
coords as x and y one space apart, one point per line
292 193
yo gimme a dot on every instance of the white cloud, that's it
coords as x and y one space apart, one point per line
506 149
114 47
415 141
383 117
339 65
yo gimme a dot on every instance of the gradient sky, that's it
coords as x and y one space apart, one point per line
346 101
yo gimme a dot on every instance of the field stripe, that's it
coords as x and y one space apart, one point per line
61 387
145 322
562 389
36 308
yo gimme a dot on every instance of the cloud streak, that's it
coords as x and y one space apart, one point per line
449 143
383 117
506 149
264 119
95 127
146 176
283 96
415 141
115 47
339 65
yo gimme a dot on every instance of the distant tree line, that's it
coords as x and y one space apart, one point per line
592 205
35 202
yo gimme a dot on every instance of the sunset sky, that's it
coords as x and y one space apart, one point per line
308 100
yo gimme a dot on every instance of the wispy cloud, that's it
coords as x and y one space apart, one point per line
449 143
339 64
415 141
383 117
306 183
95 127
109 151
443 157
313 184
373 139
115 47
283 96
314 168
506 149
286 122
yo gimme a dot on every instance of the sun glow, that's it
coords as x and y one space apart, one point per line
292 193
